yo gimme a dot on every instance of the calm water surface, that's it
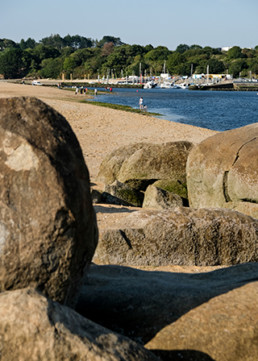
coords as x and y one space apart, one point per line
217 110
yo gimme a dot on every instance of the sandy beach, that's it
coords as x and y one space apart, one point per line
101 130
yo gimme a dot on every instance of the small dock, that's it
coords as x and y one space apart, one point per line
233 86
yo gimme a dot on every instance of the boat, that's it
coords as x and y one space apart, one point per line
182 86
165 85
150 85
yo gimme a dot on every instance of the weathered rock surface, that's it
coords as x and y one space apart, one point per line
128 196
157 161
111 165
37 329
158 198
146 161
47 222
183 236
222 171
140 304
225 328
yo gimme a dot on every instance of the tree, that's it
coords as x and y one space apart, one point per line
215 66
69 65
117 60
195 47
51 68
148 48
11 63
107 49
158 53
248 53
235 52
54 41
210 51
29 43
138 66
77 41
175 59
7 43
254 67
109 39
182 48
44 52
237 66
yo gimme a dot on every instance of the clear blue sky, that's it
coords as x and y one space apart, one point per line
216 23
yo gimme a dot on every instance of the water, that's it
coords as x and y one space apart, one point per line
216 110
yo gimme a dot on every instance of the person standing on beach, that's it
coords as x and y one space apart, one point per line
96 91
141 103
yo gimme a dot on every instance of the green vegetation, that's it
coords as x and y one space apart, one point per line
120 107
81 57
172 186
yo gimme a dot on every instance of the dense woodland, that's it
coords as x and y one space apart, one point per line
84 57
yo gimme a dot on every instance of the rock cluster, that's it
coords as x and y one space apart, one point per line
221 171
139 165
209 316
50 298
48 235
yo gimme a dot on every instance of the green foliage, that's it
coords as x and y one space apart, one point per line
7 44
75 41
237 66
28 44
182 48
69 64
51 68
11 63
235 53
120 107
45 51
109 39
172 186
82 56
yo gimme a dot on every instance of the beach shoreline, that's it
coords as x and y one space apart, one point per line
101 130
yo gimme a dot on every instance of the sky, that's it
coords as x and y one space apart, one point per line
215 23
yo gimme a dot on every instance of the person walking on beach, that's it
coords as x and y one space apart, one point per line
141 103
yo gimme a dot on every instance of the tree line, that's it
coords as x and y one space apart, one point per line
109 57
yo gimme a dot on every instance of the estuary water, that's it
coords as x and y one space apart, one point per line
216 110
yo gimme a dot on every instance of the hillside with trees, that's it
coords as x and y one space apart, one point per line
84 57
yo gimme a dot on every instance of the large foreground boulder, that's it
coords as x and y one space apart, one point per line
142 304
225 328
33 328
48 230
222 171
184 236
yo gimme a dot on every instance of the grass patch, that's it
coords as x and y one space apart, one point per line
126 108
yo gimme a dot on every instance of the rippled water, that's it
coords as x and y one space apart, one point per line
217 110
